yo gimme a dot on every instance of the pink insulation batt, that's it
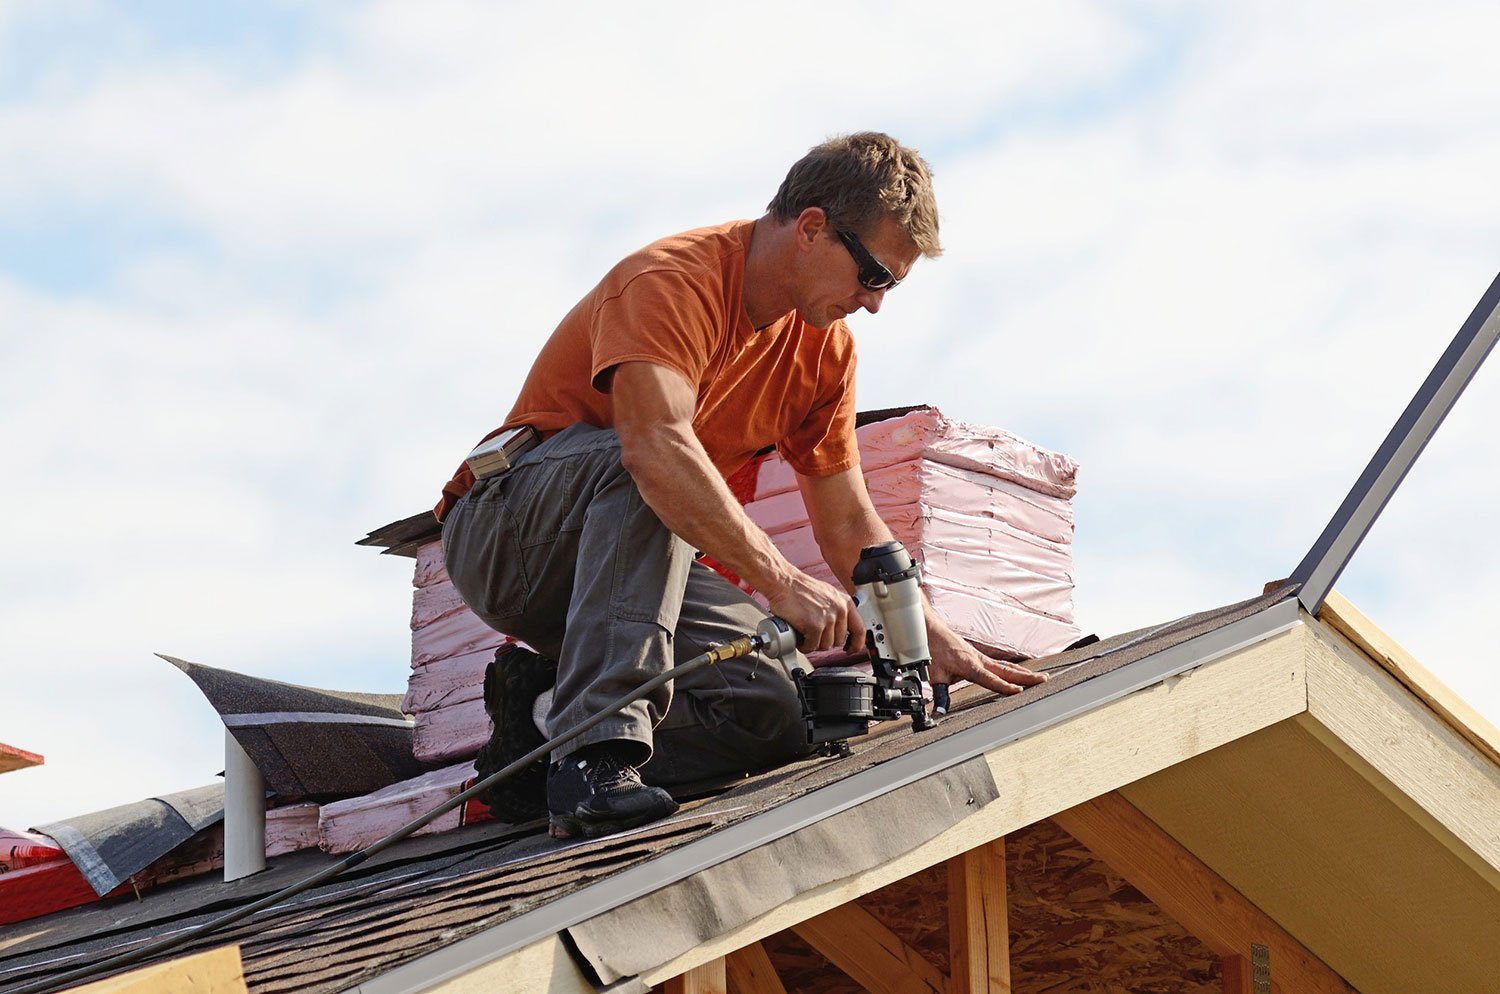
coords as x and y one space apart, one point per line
290 828
987 514
449 651
353 824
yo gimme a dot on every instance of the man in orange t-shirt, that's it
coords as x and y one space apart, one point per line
689 357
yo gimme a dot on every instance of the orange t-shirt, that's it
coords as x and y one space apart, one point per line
679 302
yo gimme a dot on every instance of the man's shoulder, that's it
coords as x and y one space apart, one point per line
695 253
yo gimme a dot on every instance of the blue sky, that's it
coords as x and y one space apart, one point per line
268 270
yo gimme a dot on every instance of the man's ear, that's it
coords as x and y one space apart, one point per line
810 224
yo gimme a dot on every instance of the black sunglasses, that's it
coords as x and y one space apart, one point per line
872 275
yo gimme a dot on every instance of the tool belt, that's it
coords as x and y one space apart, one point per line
498 454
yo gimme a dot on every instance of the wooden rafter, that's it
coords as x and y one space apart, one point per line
706 978
1187 890
855 942
978 922
750 971
1237 975
1346 619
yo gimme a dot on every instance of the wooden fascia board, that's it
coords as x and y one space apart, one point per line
1373 723
872 955
751 971
543 967
1190 892
217 971
1346 619
1049 771
12 758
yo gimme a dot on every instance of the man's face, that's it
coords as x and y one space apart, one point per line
832 289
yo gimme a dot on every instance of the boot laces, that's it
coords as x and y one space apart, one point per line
608 773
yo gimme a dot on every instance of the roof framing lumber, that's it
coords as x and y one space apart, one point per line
1187 890
978 920
855 942
1422 764
706 978
751 971
1346 619
1320 568
1237 975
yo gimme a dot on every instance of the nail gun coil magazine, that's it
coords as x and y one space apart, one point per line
837 703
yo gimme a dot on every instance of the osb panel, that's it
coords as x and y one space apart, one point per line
1076 928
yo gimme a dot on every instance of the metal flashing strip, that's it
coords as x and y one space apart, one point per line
258 718
1321 567
677 864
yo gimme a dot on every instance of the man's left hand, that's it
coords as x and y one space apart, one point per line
954 659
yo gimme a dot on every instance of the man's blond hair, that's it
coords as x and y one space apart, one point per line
859 178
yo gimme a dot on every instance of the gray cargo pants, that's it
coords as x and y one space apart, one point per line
562 552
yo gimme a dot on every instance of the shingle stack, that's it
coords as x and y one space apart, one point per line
353 824
450 648
291 827
987 514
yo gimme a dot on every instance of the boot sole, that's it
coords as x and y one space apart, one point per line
572 827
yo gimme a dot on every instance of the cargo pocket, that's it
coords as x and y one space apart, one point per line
483 556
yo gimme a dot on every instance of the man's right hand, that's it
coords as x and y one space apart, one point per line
823 614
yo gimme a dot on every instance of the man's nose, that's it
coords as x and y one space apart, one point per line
871 300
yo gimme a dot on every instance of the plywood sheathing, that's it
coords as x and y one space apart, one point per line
750 971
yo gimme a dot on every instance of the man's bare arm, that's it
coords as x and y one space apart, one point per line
654 419
844 521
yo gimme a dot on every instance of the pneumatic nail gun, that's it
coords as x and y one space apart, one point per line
839 703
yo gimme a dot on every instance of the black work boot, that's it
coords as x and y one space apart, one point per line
594 792
512 683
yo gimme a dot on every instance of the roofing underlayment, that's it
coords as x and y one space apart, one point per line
109 846
422 896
